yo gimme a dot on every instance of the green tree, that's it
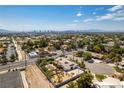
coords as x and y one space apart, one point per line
85 81
3 59
1 45
87 56
116 45
81 64
79 54
72 85
12 57
90 47
97 48
57 46
43 43
72 45
80 44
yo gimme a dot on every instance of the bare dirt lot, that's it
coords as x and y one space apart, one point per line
36 79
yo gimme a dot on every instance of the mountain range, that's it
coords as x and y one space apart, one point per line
4 31
88 30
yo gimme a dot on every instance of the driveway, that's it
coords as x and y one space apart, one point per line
100 68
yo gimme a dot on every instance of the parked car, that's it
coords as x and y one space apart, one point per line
33 54
90 61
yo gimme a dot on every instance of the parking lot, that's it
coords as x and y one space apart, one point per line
97 66
11 80
100 68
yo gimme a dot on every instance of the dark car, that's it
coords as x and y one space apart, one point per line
90 61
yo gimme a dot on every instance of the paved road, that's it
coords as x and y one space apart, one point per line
17 64
100 68
18 50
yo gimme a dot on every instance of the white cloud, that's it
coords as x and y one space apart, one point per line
76 21
88 20
118 15
119 19
79 14
115 8
105 17
120 11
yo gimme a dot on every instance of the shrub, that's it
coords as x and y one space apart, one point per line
100 77
87 56
119 69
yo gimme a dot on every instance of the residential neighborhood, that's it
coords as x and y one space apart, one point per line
62 46
64 60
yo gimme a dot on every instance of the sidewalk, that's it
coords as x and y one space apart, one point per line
24 79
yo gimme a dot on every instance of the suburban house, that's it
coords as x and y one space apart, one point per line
110 83
66 64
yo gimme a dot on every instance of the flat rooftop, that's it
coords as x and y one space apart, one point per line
11 80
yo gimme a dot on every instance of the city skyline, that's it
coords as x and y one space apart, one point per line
65 17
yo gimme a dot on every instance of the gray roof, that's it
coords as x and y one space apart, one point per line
11 80
66 64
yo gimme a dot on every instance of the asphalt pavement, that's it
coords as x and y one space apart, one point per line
19 64
100 68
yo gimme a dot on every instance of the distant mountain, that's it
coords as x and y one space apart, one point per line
62 31
93 30
4 31
99 30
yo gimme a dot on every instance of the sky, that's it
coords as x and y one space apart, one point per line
62 17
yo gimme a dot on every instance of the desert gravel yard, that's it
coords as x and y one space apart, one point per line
100 68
